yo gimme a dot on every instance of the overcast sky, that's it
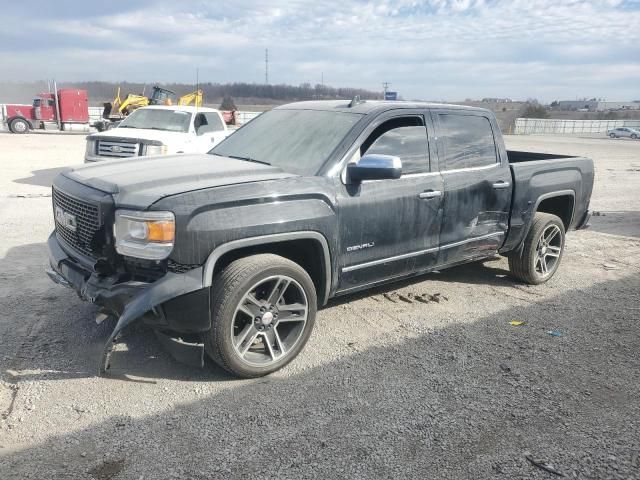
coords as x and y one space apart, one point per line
433 49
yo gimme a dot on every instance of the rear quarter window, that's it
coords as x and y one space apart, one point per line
467 141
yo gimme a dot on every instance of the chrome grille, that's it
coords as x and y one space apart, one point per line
110 148
87 218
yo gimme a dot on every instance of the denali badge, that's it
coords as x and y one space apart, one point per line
360 247
65 219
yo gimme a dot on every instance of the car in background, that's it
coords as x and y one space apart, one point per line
159 130
624 132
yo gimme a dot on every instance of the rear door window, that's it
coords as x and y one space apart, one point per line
207 122
467 141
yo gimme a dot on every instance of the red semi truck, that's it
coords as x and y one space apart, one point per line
66 109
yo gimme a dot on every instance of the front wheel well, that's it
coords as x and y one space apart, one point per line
308 253
18 117
560 206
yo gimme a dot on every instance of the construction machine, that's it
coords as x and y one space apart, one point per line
118 109
193 97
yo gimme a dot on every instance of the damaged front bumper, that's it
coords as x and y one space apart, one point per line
175 303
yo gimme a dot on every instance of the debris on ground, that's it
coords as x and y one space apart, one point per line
516 323
544 466
555 333
609 266
414 297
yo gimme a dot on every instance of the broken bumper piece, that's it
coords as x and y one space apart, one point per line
129 301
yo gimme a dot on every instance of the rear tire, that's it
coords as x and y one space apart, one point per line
263 309
542 251
612 135
19 126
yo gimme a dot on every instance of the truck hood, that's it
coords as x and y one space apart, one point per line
140 182
138 134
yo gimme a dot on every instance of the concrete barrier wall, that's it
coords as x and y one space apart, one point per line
549 126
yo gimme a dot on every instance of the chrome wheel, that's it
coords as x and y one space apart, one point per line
548 250
19 126
269 320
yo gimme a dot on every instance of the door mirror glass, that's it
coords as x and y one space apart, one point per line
375 167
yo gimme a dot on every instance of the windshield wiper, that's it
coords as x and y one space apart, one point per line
246 159
126 126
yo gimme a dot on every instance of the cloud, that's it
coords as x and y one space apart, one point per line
434 49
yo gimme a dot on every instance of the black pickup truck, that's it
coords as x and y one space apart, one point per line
232 252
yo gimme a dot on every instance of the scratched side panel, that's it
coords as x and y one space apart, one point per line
390 220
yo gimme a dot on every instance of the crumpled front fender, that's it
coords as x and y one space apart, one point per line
170 286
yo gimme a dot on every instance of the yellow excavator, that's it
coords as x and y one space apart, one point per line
118 109
193 97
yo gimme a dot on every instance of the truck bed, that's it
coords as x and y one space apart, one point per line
516 156
540 176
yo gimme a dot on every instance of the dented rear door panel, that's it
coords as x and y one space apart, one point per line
476 203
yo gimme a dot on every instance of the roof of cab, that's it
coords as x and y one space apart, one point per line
365 107
180 108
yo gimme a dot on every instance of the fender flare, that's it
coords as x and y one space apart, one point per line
546 196
219 251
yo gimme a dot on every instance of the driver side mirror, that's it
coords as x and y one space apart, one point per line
375 167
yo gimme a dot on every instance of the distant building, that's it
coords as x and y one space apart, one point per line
596 106
496 100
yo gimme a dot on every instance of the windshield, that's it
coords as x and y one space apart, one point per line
298 141
157 119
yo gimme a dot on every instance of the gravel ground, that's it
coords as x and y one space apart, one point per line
387 387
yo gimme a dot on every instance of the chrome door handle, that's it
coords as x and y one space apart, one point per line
500 185
430 194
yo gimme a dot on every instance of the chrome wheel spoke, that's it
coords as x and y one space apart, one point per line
273 344
295 312
244 346
251 299
278 290
244 308
292 307
553 253
552 234
278 342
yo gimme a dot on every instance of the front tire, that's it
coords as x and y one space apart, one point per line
19 126
634 136
542 252
612 135
263 309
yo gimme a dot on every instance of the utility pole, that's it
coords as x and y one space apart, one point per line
266 66
385 86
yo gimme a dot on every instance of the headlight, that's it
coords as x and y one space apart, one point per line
148 235
155 149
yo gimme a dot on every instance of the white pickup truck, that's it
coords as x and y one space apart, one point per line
159 130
